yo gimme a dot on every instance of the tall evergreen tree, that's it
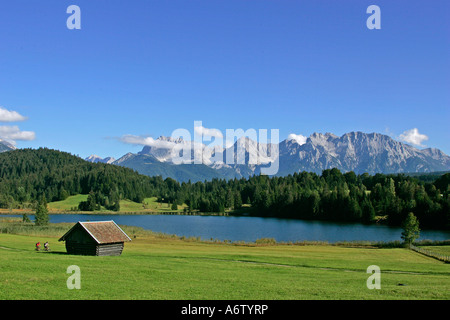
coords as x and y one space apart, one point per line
411 229
41 217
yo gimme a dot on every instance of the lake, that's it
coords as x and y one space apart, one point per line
250 229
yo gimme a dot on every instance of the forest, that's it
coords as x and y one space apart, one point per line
26 175
331 196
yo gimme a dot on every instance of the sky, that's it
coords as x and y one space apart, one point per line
145 68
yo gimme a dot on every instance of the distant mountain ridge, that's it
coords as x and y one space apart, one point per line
355 151
6 146
359 152
95 159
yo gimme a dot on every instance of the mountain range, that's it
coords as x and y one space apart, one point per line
355 151
94 159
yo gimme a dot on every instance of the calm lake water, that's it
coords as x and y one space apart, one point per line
252 228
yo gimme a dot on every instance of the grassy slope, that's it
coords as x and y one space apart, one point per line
150 205
68 204
445 250
155 267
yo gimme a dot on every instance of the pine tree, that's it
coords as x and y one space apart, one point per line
116 206
229 199
25 218
237 201
41 215
368 212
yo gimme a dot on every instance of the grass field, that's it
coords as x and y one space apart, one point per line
165 267
149 205
439 249
68 204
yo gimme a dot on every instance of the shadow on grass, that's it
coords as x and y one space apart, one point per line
54 252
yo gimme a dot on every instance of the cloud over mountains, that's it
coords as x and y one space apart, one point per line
413 137
13 133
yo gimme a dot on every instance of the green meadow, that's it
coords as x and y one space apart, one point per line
68 204
162 267
149 205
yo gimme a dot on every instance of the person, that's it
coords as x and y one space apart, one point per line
46 246
38 246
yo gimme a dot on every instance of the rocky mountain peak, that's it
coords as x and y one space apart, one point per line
6 146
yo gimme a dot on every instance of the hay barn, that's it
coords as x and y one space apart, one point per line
97 238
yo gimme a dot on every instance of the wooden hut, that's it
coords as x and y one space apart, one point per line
97 238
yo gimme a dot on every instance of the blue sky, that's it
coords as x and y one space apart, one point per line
146 68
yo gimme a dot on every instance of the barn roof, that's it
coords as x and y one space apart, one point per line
101 231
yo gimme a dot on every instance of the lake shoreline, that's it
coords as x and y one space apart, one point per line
124 213
19 212
141 233
248 228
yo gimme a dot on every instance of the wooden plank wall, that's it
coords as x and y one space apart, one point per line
110 249
86 249
93 249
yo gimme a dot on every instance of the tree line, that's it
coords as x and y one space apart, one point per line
27 175
332 196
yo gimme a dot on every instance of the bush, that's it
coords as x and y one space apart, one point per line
266 241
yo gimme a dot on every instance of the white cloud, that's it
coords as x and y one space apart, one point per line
300 139
413 137
147 141
190 149
10 116
13 133
160 143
